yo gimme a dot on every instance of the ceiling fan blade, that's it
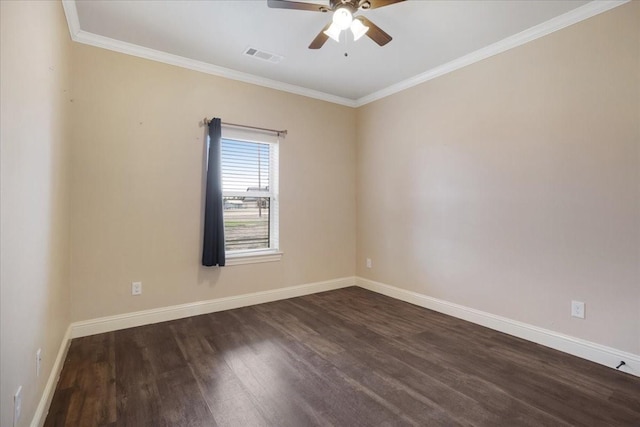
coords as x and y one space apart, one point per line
380 3
375 33
320 39
284 4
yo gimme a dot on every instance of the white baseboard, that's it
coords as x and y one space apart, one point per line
578 347
47 394
575 346
163 314
147 317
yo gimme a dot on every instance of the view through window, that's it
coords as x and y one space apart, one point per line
249 187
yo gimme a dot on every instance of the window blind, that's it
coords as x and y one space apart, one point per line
249 172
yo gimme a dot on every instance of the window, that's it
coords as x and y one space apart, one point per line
250 193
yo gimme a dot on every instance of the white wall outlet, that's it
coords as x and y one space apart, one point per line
136 288
369 264
17 406
577 309
38 361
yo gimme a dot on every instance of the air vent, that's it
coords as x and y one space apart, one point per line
261 54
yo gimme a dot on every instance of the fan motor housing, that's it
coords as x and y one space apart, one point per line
353 5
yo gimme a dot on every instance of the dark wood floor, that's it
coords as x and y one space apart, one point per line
343 358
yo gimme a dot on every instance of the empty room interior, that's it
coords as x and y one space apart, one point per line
323 212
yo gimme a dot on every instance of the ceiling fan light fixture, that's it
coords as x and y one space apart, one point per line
334 32
358 29
342 18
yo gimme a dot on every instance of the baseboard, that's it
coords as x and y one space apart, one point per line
575 346
578 347
163 314
49 389
146 317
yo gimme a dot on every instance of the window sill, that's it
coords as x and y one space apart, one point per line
253 258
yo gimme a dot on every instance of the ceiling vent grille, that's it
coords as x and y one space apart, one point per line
261 54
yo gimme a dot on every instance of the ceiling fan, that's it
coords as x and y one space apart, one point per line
343 19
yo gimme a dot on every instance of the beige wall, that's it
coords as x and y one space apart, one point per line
137 184
512 186
34 74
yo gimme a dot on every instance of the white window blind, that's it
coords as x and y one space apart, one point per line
249 189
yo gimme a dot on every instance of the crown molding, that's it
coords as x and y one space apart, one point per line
73 21
579 14
203 67
85 37
559 22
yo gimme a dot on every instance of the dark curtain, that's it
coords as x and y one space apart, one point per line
213 246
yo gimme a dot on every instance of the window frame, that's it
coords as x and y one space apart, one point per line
273 253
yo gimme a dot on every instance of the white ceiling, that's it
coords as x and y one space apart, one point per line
427 37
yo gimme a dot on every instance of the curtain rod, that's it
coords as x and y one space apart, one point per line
279 132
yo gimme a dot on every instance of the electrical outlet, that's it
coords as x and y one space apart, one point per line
38 361
136 288
17 406
577 309
369 263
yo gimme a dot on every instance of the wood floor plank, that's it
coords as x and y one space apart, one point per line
328 389
264 372
449 389
181 402
341 358
88 386
220 387
539 387
138 398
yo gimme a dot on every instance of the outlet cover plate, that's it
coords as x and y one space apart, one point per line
17 406
38 361
577 309
136 288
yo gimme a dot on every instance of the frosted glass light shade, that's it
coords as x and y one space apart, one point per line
358 29
334 32
342 18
